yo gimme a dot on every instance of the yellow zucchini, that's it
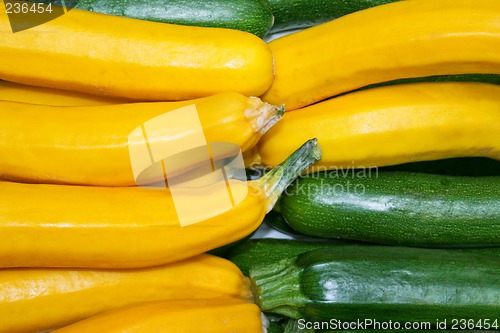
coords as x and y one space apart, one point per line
393 125
399 40
222 315
126 227
38 299
123 57
90 145
14 92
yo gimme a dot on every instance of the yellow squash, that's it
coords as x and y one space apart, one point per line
393 125
14 92
90 145
32 300
123 57
224 315
126 227
398 40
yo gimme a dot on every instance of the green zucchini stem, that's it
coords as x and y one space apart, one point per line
277 288
278 179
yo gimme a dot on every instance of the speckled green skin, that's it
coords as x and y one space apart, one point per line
397 208
293 14
383 283
254 16
253 253
265 251
462 166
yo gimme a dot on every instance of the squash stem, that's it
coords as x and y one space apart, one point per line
262 115
277 288
278 179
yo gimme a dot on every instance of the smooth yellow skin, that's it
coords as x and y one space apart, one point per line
393 125
113 227
122 57
180 316
14 92
398 40
89 145
38 299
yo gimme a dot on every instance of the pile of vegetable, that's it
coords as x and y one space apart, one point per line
370 134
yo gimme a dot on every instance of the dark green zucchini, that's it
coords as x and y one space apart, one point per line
487 251
274 327
294 14
254 16
264 251
481 78
381 283
224 250
276 221
464 166
396 208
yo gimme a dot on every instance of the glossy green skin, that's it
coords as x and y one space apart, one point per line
482 78
383 283
274 328
488 251
397 208
265 251
465 166
253 253
293 14
276 221
254 16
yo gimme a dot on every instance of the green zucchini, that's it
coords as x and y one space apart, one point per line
264 251
274 327
481 78
276 322
487 251
294 14
397 208
382 283
276 221
463 166
254 16
253 253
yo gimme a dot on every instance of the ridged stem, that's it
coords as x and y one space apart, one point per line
262 115
278 179
277 288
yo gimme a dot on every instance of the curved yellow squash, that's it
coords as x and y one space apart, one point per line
122 57
398 40
115 227
128 227
14 92
32 300
90 145
393 125
222 315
